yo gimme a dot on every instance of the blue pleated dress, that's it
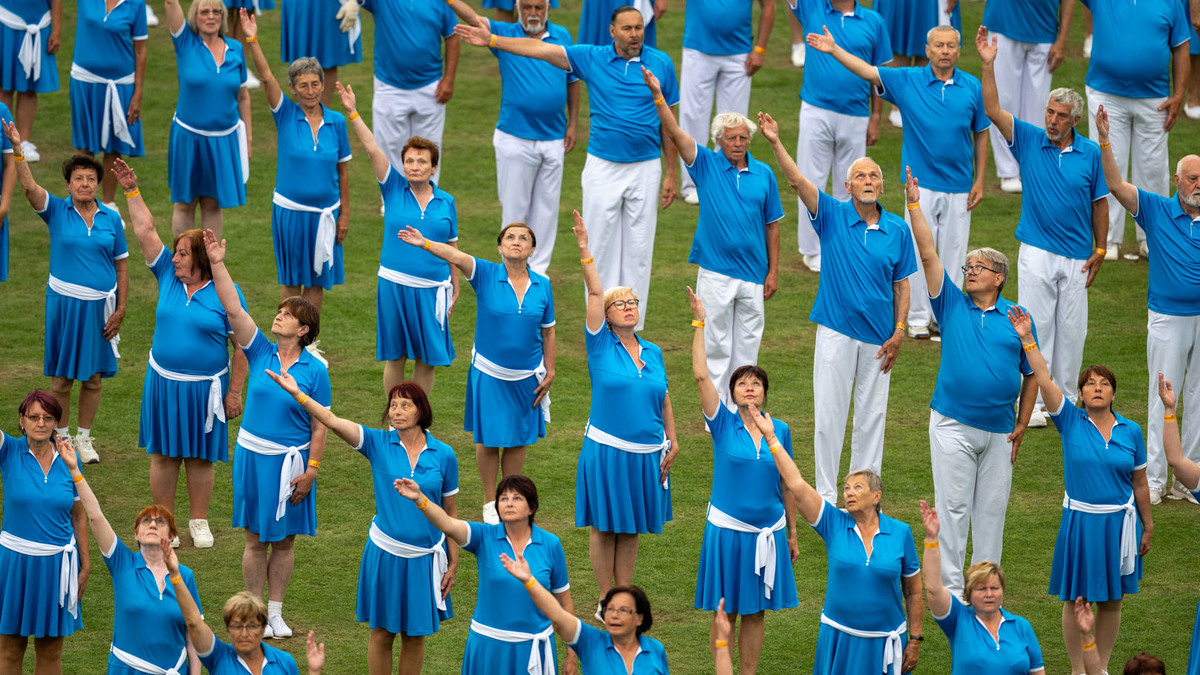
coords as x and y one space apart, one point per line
908 23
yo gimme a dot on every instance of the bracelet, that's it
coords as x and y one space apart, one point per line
697 324
660 99
176 578
914 206
353 116
316 464
251 39
900 325
424 504
916 638
721 643
1029 347
760 50
492 42
133 193
774 448
449 2
932 544
1105 145
302 399
1099 251
18 158
1090 645
1168 418
428 245
531 583
78 478
587 261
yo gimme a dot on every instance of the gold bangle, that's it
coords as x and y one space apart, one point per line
18 158
176 578
353 116
424 504
492 42
1090 645
251 39
1029 347
914 206
1105 145
934 544
78 478
428 245
660 99
697 323
531 583
1168 418
314 463
721 644
760 50
1099 251
302 399
133 193
587 261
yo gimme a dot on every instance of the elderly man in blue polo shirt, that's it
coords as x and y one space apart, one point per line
1031 39
861 304
622 175
1063 225
737 237
974 435
945 139
533 133
838 118
720 54
413 82
1136 47
1173 295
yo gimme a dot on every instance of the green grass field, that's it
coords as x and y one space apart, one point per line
322 593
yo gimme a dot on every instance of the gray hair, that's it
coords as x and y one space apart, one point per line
1070 97
306 65
874 482
947 28
731 120
1179 164
996 260
194 11
850 169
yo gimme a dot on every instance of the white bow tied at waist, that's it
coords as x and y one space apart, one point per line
68 571
541 654
402 550
1129 543
513 375
114 113
30 53
893 651
89 295
293 463
764 546
326 228
216 406
242 141
445 292
144 666
605 438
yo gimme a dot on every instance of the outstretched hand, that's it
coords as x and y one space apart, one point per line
912 190
1021 321
407 488
10 130
285 381
822 43
518 567
1165 392
314 651
1083 615
769 127
762 420
347 97
214 249
579 229
66 452
479 34
698 312
347 15
411 235
986 46
929 518
248 22
1102 126
124 175
652 82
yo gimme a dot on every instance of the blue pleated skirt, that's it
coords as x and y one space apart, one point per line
172 422
12 73
618 491
75 344
295 236
249 4
256 492
310 29
205 166
727 571
501 413
397 594
1087 558
29 597
486 656
908 22
87 120
840 653
406 326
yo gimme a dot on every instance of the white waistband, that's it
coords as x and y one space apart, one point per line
68 571
30 53
608 439
512 375
541 654
326 228
89 295
893 651
402 550
355 31
764 545
216 404
114 113
144 666
239 129
1129 543
293 463
443 296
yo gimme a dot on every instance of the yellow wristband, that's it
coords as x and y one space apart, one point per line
933 544
1099 251
18 158
901 325
587 261
1168 418
78 478
1029 347
449 2
1105 145
492 42
697 324
760 50
531 583
721 643
353 116
133 193
428 245
424 504
314 463
775 448
252 38
660 99
1090 645
302 399
914 206
176 578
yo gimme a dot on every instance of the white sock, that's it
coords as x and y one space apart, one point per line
64 432
798 46
274 608
83 433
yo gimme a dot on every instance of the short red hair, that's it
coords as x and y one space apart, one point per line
156 511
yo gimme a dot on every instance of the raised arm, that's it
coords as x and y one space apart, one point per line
931 566
100 528
1125 192
241 321
270 85
1185 469
456 529
345 429
565 623
825 43
710 398
808 502
803 187
139 213
451 254
480 35
379 161
1085 620
991 95
1023 324
201 635
684 143
926 247
591 277
35 193
175 16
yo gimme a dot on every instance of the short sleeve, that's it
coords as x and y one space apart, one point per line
1180 27
119 560
910 564
180 40
558 569
279 113
449 474
579 57
827 210
1024 135
481 273
1139 450
162 268
343 138
1096 173
54 206
321 391
120 249
139 29
548 312
368 441
773 205
882 51
829 520
1036 662
449 20
6 115
942 302
949 623
258 347
219 653
892 83
475 541
1145 203
906 265
784 434
243 72
719 421
700 161
979 118
453 220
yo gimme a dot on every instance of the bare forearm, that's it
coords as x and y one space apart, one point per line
237 372
1181 64
981 155
856 65
464 12
536 49
673 133
766 21
991 103
773 247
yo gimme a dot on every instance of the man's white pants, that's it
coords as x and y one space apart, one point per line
972 475
1053 289
399 114
842 364
702 76
1173 349
733 325
529 181
828 142
1135 126
620 207
1023 79
950 221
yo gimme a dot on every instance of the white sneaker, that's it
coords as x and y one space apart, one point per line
267 632
83 448
1155 496
1037 420
113 206
1111 253
252 82
314 348
277 628
918 332
813 263
895 119
1143 249
31 152
201 535
798 53
1087 47
490 516
1193 112
600 612
151 17
175 541
1011 185
692 198
1178 491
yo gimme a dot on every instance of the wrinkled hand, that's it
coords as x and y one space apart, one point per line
347 15
214 249
889 351
444 91
285 382
579 229
479 34
411 235
113 325
929 518
872 131
346 95
823 42
912 653
569 138
1172 105
1021 322
697 304
975 196
668 460
125 175
1102 125
986 47
169 557
448 580
518 567
314 653
1017 435
754 62
543 388
1165 392
762 420
66 452
1092 267
1144 547
10 130
669 192
134 112
303 485
651 82
407 488
1058 53
233 406
768 127
912 189
1083 615
770 285
248 22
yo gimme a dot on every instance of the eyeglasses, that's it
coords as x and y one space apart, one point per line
48 419
977 268
240 627
154 520
621 611
622 304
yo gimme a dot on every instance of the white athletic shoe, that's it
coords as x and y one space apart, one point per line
252 82
314 348
1037 420
1087 47
83 448
1143 249
151 17
798 53
1193 112
692 198
813 263
201 535
1011 185
31 152
1155 496
895 119
1178 491
1111 253
918 332
175 541
277 628
490 515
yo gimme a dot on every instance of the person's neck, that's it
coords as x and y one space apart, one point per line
1101 415
516 268
626 642
744 413
40 449
868 212
86 206
1066 140
313 110
626 334
943 74
1193 211
739 163
843 6
990 619
153 556
985 300
867 521
253 657
422 188
518 530
289 348
413 437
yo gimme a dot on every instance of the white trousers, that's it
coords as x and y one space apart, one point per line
1135 127
972 475
950 221
529 181
399 114
703 76
733 325
620 207
1052 288
842 364
1023 79
828 143
1173 349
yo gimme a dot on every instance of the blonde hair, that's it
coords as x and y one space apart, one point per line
244 606
978 574
616 293
194 10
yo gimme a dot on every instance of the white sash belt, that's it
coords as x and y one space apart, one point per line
216 404
512 375
443 296
541 654
326 228
144 666
1129 543
893 652
239 129
402 550
114 113
30 54
764 546
605 438
88 295
293 463
68 572
355 31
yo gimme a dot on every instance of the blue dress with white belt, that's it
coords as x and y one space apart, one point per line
311 28
102 77
25 26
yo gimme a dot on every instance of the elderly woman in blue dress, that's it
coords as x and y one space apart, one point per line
30 35
208 160
320 30
1106 524
407 567
512 361
310 215
43 542
509 634
86 291
415 293
108 73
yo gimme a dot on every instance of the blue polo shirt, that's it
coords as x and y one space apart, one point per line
502 601
1056 207
974 650
1033 21
509 5
624 122
982 361
718 27
827 83
1133 41
735 207
1174 286
408 40
939 141
598 655
533 98
859 264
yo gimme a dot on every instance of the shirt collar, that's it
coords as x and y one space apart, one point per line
882 224
1047 143
614 56
730 166
534 277
267 658
536 534
930 78
1001 305
642 645
854 12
